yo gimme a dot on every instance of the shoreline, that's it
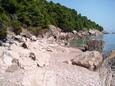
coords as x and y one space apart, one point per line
30 59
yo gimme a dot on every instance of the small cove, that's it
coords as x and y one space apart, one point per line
108 42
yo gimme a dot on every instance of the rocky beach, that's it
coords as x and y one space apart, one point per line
26 60
57 43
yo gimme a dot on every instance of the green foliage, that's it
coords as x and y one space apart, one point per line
3 24
38 31
9 5
40 13
3 33
16 27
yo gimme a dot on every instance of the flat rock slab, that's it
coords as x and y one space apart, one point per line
61 75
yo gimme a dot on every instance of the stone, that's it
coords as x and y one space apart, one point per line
54 31
32 56
24 45
12 68
7 58
111 54
95 45
15 61
92 32
62 75
18 38
33 38
90 60
74 32
1 43
6 44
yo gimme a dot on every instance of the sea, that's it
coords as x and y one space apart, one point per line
109 43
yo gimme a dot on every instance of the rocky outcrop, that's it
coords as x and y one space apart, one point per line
46 63
24 45
95 32
62 75
54 31
111 63
95 45
111 54
90 60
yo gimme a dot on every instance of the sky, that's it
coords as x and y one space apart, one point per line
100 11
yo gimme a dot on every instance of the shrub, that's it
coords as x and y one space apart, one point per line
3 25
16 27
38 30
3 33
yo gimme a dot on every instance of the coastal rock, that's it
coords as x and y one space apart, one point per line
47 63
90 60
24 45
92 32
12 68
63 36
32 56
95 45
33 38
61 75
74 32
54 31
106 73
7 58
111 54
19 38
111 63
95 32
1 43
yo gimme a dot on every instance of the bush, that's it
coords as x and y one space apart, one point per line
38 30
3 33
16 27
3 25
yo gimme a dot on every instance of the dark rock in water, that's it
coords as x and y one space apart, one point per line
24 46
95 45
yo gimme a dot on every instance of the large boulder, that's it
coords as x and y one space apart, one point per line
111 54
54 31
111 63
61 75
7 57
106 74
95 45
19 38
95 32
90 60
92 32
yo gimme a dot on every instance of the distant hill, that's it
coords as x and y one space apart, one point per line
38 14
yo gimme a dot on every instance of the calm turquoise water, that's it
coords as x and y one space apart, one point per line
108 45
109 42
